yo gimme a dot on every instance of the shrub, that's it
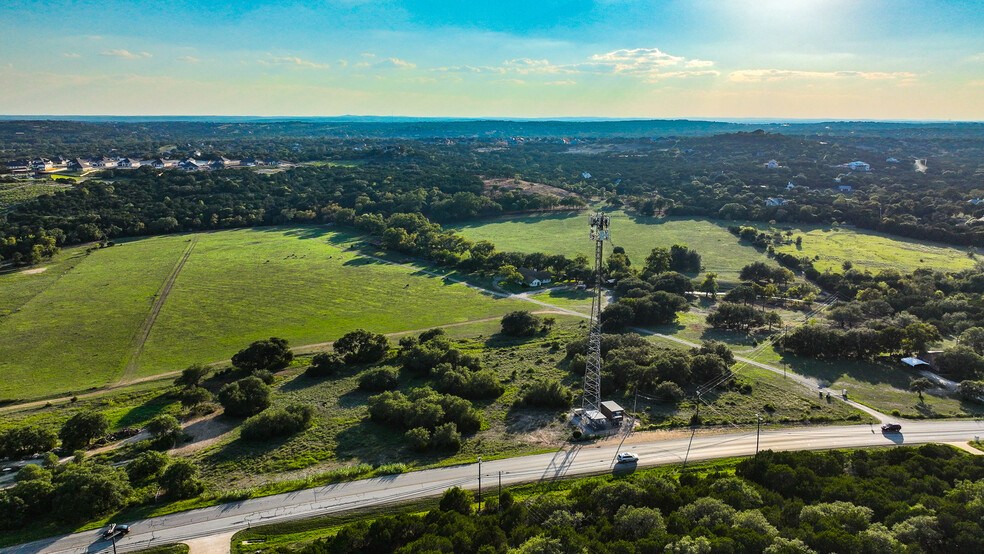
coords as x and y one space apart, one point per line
668 391
446 437
270 354
81 428
468 384
379 379
193 396
548 393
325 364
180 479
362 347
164 425
419 438
456 499
192 375
277 423
520 323
245 397
148 465
264 375
22 441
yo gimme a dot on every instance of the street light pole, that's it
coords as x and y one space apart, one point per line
113 538
758 430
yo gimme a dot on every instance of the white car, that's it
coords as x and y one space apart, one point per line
627 458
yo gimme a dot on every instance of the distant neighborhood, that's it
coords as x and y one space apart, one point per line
49 166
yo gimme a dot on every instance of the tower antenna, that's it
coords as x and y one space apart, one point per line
591 401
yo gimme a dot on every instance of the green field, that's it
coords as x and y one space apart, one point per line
722 253
12 194
75 325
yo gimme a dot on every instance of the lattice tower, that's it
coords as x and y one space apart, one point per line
592 372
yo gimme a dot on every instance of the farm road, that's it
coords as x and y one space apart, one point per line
140 339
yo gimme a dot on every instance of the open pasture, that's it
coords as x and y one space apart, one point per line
84 326
721 251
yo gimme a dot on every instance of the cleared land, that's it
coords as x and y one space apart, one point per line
721 251
12 194
73 326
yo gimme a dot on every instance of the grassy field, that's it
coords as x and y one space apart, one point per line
721 251
12 194
75 325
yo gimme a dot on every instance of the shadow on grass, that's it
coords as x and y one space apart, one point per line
138 415
830 371
525 219
374 443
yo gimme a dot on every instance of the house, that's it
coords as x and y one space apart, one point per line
976 201
189 164
778 201
790 186
892 160
271 161
128 163
42 164
161 163
59 161
78 164
586 175
247 162
772 164
534 278
18 165
844 188
221 163
102 162
859 166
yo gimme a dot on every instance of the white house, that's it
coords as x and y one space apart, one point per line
772 164
534 278
778 201
859 166
128 163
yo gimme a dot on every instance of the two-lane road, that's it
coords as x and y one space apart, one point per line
572 461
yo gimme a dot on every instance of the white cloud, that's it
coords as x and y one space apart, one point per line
293 61
189 59
511 81
458 69
368 55
395 63
698 63
72 55
763 75
525 66
646 63
126 54
362 64
682 75
561 83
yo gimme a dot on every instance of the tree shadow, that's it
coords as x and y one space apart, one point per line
139 415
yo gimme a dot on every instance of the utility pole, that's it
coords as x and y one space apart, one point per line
758 430
113 538
479 483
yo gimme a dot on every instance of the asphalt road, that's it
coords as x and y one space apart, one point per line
572 461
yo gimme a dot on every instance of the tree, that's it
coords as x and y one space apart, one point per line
180 480
29 439
548 393
164 425
270 354
960 363
245 397
919 335
735 317
325 364
193 396
709 285
684 260
81 429
919 385
192 375
89 490
362 347
456 499
974 338
672 282
148 465
509 274
277 423
520 323
379 379
657 261
742 293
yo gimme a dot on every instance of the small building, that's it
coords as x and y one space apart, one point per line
790 186
189 164
161 163
586 175
78 164
102 162
976 201
914 362
534 278
844 188
271 161
891 160
221 163
778 201
42 164
128 163
18 165
859 166
772 164
248 162
612 411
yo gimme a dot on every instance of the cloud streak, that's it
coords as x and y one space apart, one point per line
126 54
292 61
771 75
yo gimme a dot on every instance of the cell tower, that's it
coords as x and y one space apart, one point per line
591 401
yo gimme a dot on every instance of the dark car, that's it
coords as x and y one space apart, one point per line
115 530
891 428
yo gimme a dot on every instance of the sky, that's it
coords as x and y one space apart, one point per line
781 59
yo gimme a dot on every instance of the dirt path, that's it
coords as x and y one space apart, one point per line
141 337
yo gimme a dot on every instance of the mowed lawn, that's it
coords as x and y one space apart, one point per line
721 252
236 286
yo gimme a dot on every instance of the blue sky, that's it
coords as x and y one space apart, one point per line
838 59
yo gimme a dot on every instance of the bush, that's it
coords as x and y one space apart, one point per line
264 375
548 393
379 379
245 397
425 408
23 441
520 323
325 364
468 384
192 375
418 437
446 437
668 391
193 396
456 499
81 428
180 479
270 354
277 423
362 347
148 465
164 425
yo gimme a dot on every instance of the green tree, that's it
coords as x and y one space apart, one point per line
974 338
29 439
362 347
164 425
325 364
82 428
180 480
456 499
193 396
192 375
520 323
509 274
245 397
919 335
269 354
89 490
709 285
148 465
920 385
658 261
